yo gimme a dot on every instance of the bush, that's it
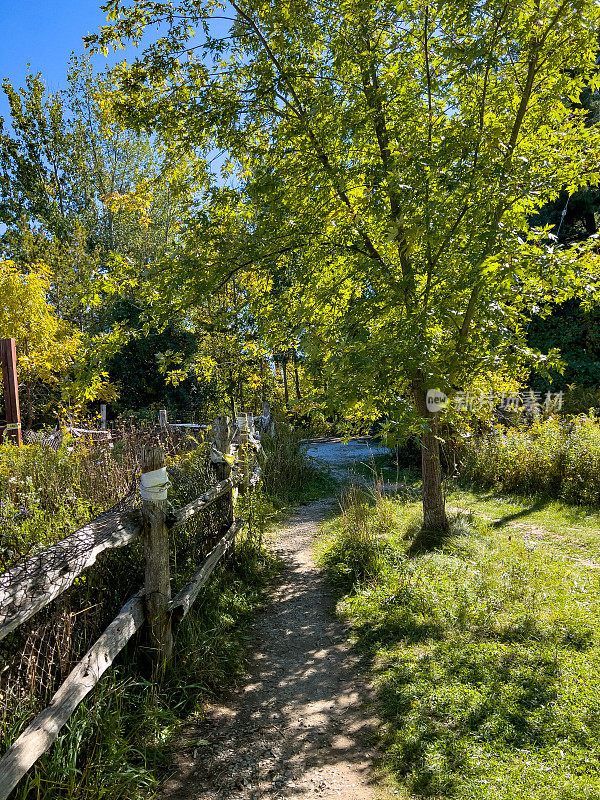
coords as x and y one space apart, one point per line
552 457
353 551
287 474
46 494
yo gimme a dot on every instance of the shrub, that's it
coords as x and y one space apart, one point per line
46 494
353 551
288 475
552 457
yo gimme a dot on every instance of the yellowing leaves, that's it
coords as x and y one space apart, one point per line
46 345
137 202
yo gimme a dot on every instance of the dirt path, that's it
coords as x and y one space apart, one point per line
341 458
298 728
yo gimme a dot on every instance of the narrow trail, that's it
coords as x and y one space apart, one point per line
298 728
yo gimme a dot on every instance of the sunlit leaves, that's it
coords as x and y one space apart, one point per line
47 347
387 160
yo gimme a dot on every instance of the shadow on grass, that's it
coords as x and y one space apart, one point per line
446 695
426 540
441 709
539 505
462 689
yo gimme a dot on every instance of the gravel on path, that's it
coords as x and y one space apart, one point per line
298 728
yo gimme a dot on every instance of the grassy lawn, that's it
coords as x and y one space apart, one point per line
486 652
573 531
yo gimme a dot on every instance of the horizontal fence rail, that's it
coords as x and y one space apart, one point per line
201 503
41 578
183 601
43 731
33 584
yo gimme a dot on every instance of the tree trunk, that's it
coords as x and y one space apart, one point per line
296 376
262 380
231 390
590 223
285 382
29 395
435 520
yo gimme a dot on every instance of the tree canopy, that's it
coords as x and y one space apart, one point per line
390 157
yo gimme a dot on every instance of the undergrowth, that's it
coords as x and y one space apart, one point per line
288 477
554 457
46 494
486 654
118 744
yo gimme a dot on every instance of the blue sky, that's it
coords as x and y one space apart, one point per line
44 34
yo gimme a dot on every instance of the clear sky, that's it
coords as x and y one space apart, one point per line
44 33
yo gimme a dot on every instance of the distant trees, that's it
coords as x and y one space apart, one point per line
92 204
572 327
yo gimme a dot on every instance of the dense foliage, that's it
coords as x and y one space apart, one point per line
553 458
388 161
341 206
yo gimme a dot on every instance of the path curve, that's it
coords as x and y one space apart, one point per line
298 728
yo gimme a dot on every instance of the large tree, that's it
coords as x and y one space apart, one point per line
392 155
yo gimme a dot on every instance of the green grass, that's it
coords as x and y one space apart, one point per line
46 494
571 531
485 652
553 457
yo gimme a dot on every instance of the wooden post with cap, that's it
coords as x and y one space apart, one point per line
8 356
157 584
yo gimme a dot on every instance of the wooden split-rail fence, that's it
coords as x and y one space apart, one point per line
33 584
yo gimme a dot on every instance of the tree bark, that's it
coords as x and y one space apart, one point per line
590 223
435 520
297 377
29 395
285 381
241 392
231 390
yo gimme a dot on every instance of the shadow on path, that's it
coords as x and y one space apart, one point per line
298 728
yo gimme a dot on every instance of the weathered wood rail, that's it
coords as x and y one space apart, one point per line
33 584
40 579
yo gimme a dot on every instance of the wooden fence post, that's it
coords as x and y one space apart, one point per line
8 356
244 423
162 418
221 440
103 416
157 585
